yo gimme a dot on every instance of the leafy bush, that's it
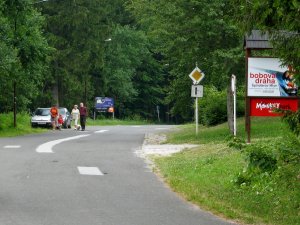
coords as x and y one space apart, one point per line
261 157
261 160
215 111
213 106
289 150
236 143
293 120
265 159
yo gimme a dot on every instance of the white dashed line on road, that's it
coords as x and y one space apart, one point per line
12 146
162 128
100 131
136 126
89 171
47 147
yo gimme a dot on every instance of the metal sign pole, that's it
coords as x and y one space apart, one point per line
197 90
196 115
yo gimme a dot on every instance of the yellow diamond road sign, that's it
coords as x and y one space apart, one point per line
196 75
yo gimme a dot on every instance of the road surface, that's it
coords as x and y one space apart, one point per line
94 177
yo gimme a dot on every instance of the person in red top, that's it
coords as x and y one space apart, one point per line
54 116
60 121
83 115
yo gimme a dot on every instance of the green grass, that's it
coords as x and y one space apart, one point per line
113 122
261 127
7 128
206 175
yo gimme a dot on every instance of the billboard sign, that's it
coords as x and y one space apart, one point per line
265 106
103 104
266 77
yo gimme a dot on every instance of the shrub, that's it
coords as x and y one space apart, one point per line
264 159
289 150
261 160
261 157
215 111
236 143
293 120
213 106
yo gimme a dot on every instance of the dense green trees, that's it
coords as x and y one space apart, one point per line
281 18
99 52
23 53
75 29
187 32
130 73
139 52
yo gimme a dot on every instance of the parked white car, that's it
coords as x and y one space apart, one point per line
41 117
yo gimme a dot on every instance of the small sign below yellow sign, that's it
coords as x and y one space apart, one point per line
196 75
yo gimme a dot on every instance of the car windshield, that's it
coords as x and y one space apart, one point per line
62 111
42 112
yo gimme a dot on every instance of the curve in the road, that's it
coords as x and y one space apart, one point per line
47 147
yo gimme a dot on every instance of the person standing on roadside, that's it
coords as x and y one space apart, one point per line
54 116
75 116
83 115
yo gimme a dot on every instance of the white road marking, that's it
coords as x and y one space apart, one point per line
12 146
47 147
162 128
136 126
100 131
89 171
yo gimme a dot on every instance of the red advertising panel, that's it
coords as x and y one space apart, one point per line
265 106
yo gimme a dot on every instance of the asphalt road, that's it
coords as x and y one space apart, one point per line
87 178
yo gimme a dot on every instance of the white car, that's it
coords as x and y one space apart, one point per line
41 117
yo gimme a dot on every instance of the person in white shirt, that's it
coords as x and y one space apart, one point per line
75 116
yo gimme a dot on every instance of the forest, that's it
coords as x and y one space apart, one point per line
139 52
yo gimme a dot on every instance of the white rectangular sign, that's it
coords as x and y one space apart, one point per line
266 77
197 91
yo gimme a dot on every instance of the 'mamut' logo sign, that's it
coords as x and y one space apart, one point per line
268 106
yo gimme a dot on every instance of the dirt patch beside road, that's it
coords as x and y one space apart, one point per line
154 145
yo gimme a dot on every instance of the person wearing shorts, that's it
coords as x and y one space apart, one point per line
54 116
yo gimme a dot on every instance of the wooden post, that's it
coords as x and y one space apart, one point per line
247 107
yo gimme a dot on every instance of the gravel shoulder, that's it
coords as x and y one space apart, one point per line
154 144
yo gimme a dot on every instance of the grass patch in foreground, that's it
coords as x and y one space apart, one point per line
7 128
207 177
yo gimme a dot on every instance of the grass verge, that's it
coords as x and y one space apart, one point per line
207 175
7 128
113 122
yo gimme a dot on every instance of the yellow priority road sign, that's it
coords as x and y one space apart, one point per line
196 75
